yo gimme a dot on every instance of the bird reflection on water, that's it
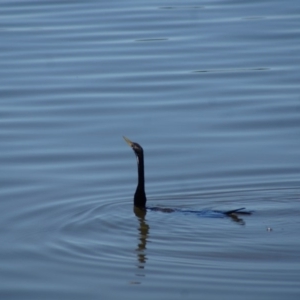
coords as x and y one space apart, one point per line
143 235
143 232
140 199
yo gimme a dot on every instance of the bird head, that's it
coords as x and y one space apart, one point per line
138 150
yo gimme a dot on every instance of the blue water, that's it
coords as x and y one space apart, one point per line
210 89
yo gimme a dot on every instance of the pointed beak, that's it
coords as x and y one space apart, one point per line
128 141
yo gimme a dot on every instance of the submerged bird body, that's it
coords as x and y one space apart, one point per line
140 194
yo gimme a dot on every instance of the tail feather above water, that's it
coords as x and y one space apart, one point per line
238 211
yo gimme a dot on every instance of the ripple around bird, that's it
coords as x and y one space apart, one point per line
92 229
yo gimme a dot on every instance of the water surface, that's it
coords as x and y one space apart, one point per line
210 89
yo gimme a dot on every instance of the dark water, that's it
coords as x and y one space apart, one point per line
210 89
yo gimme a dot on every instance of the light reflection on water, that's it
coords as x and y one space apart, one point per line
210 90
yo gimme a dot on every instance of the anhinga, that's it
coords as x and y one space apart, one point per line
140 195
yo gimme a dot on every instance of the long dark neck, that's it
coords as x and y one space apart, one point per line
140 195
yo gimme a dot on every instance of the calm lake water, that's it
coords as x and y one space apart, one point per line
210 89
